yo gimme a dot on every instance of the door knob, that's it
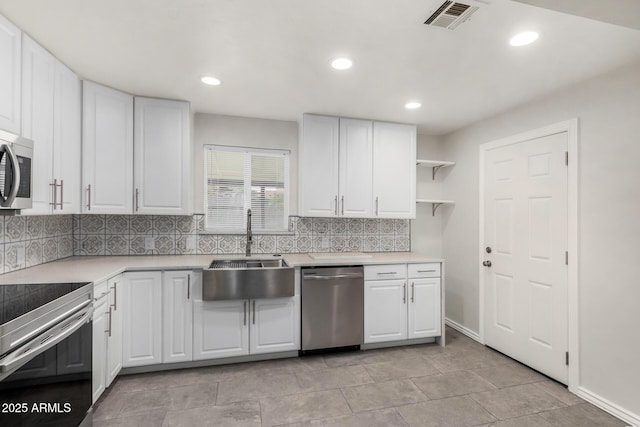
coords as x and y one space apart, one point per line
487 263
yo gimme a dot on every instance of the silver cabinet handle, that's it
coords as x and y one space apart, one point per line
387 272
342 205
376 205
244 305
115 296
188 286
404 293
413 290
61 194
110 314
254 312
137 194
335 203
89 197
54 187
426 271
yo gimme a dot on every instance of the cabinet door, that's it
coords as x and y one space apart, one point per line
394 170
385 310
162 153
275 325
177 316
107 150
10 66
220 329
99 351
424 308
67 142
318 169
142 332
115 317
356 162
37 120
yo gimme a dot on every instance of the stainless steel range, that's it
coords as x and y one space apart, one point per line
45 354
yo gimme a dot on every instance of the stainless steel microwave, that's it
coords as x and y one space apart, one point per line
16 160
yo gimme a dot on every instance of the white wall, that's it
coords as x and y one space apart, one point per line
243 132
608 108
426 230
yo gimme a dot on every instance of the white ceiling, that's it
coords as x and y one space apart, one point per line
273 56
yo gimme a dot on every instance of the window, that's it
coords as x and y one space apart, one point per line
237 179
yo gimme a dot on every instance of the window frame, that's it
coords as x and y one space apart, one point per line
247 187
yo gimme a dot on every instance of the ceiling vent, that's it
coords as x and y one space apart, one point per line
451 14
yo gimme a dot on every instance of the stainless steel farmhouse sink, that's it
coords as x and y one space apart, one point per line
247 278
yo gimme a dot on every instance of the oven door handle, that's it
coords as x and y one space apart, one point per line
15 183
39 345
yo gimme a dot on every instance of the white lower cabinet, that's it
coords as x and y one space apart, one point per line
220 329
401 308
241 327
275 325
177 316
115 317
99 348
142 335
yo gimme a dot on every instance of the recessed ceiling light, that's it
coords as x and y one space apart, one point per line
341 63
523 39
412 105
211 81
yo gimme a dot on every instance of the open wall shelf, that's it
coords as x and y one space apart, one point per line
435 164
435 204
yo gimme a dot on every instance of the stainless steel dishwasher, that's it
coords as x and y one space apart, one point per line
332 307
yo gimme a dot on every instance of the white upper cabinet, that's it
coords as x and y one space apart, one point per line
67 140
162 153
356 161
107 150
394 172
38 71
357 168
10 86
318 170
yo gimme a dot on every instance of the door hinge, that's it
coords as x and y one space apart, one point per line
566 358
566 158
566 257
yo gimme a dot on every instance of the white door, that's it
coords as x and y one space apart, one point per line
67 140
319 166
356 162
385 310
37 120
10 66
142 332
275 325
107 150
394 171
115 317
177 316
424 308
220 329
525 225
162 154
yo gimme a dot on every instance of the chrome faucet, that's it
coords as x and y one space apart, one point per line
249 234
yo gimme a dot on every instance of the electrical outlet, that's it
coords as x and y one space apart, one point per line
190 242
149 243
326 242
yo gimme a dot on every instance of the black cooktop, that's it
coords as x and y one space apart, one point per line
16 300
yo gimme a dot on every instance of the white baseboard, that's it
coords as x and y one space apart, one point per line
608 406
463 330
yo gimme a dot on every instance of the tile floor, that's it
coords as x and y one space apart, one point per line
464 384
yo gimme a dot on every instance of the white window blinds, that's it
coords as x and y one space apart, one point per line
238 179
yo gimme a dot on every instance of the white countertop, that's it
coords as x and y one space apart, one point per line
99 268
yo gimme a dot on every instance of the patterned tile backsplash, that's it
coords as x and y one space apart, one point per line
169 235
31 240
